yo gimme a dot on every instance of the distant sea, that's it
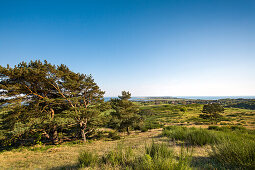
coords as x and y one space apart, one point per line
190 97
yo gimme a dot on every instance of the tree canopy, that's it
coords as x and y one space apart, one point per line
44 98
212 111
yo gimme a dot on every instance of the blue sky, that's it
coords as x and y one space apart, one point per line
149 47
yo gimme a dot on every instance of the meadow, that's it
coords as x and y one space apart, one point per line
171 137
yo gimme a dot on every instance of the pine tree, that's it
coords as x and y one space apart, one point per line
125 113
39 96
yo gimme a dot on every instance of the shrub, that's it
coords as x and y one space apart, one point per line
87 159
113 135
152 125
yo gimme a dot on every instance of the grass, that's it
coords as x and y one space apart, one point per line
192 136
66 155
87 159
170 114
154 157
133 153
119 157
230 145
235 153
221 146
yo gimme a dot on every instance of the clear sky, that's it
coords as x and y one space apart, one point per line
149 47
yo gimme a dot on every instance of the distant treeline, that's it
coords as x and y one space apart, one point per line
240 103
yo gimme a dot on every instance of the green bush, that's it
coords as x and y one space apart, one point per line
152 125
114 135
144 129
87 159
239 153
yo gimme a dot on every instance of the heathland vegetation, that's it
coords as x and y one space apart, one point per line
53 118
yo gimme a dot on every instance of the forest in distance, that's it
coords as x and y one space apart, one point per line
49 110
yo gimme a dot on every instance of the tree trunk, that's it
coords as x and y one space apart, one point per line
128 131
83 134
54 135
83 126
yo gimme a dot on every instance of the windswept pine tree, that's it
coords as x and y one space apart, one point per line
42 98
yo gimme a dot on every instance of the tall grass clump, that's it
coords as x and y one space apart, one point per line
192 136
238 153
159 150
184 160
160 156
87 159
119 157
153 157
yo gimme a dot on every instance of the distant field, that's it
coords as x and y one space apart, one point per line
188 115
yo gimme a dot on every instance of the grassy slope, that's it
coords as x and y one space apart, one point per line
65 156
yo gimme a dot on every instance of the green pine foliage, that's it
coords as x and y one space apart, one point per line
125 114
42 99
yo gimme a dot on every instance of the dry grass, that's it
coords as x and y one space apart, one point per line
65 156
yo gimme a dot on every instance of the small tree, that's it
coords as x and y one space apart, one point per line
125 113
212 112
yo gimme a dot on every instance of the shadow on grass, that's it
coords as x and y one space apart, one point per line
199 162
66 167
